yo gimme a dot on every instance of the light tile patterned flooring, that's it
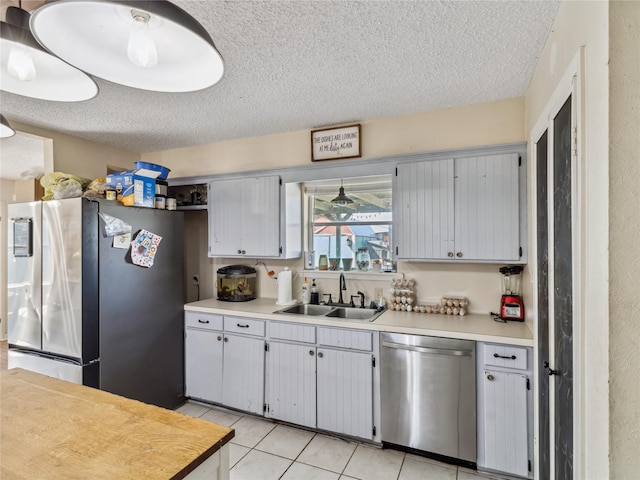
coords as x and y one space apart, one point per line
266 450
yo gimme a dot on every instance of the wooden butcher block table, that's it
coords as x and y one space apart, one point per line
54 429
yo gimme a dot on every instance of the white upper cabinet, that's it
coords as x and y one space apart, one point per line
424 222
255 217
462 209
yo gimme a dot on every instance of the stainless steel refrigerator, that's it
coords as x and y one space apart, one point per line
80 310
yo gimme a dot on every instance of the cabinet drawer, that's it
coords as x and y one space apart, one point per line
292 332
505 356
207 321
341 337
247 326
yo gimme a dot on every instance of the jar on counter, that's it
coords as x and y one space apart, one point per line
363 259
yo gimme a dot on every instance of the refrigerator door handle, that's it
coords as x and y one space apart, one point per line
48 356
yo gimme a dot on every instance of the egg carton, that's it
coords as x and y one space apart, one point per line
447 306
402 296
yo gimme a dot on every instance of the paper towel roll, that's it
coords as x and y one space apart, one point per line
284 287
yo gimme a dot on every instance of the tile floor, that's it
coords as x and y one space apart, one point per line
267 450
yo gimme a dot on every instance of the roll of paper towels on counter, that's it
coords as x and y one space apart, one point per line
284 288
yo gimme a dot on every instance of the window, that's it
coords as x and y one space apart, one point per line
339 230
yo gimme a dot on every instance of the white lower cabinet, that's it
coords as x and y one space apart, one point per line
243 373
345 392
291 383
203 356
505 434
505 420
316 377
222 367
322 377
203 364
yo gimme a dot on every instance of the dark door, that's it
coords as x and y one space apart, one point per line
563 293
543 301
555 333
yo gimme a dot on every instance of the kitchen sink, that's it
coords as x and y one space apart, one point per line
353 313
307 309
348 313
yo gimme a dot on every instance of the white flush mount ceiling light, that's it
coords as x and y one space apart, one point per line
28 70
5 129
151 45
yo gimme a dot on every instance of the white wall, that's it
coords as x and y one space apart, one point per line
624 231
584 24
80 157
470 126
474 125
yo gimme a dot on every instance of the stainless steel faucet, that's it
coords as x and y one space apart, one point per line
343 286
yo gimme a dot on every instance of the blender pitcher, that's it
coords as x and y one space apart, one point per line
511 305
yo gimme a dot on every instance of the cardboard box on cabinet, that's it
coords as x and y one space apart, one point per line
133 188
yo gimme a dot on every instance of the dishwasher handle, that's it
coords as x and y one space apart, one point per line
434 351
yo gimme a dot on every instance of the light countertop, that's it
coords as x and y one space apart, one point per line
468 327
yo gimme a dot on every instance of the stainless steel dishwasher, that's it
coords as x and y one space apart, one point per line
428 396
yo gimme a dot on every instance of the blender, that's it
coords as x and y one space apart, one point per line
511 305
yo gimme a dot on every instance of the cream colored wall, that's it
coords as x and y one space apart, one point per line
624 231
6 197
80 157
578 24
469 126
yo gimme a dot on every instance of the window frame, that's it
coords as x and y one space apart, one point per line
312 225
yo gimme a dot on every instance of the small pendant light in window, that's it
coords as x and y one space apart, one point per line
341 199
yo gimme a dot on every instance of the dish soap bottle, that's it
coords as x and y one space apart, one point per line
315 297
305 291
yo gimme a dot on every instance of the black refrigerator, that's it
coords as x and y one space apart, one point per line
80 309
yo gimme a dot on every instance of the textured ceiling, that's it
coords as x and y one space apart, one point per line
296 65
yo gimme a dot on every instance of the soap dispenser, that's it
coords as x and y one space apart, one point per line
305 291
315 296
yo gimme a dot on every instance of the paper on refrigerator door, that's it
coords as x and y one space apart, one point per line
144 248
122 241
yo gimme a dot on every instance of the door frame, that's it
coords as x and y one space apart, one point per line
570 84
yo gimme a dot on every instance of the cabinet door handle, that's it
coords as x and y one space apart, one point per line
239 252
507 357
311 352
320 355
490 377
203 321
219 338
551 370
242 326
226 339
459 254
450 254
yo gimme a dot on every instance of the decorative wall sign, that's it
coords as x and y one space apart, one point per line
335 143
